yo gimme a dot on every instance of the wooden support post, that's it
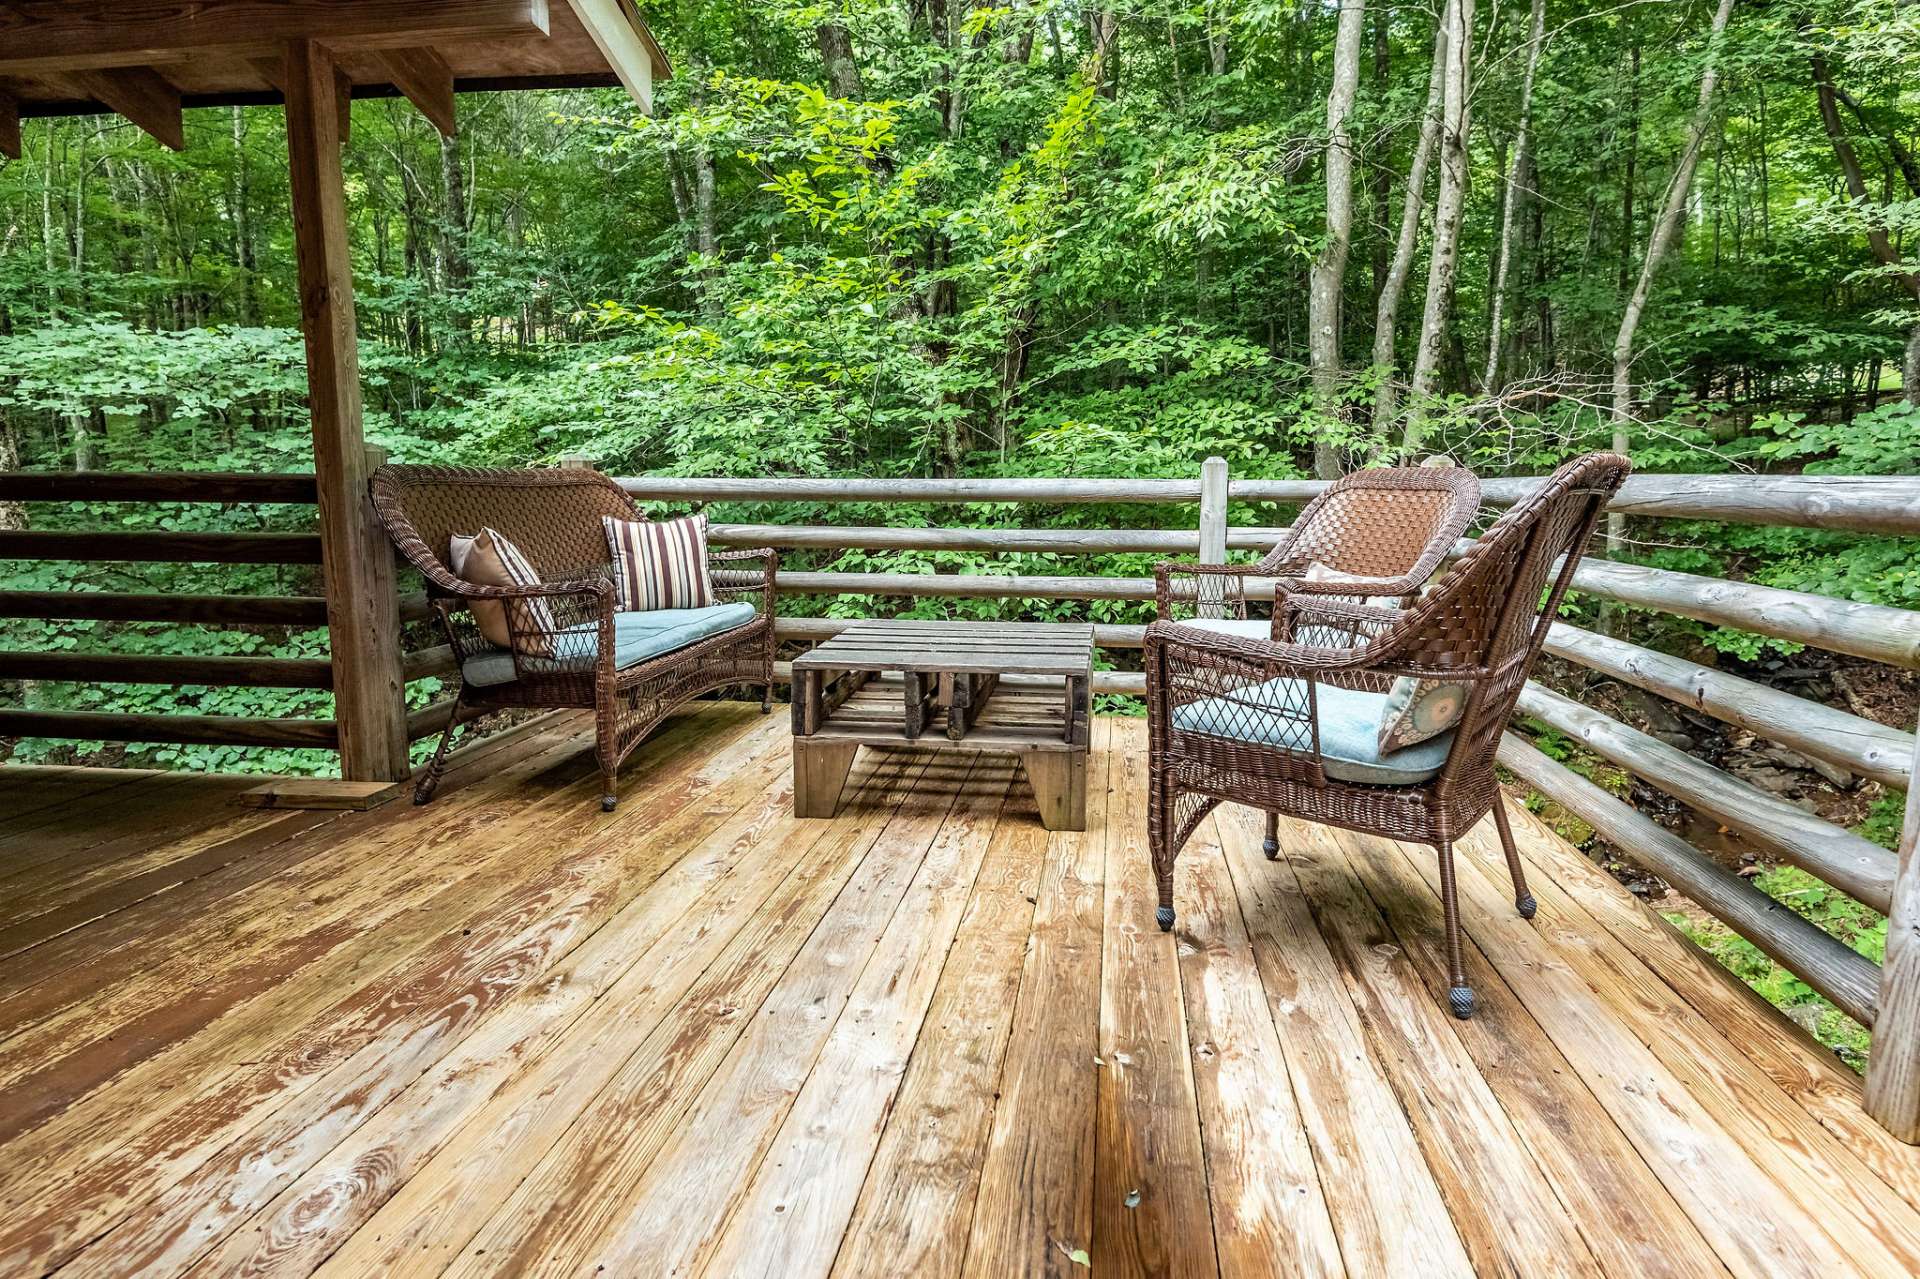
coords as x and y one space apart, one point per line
363 621
1213 531
1893 1062
9 125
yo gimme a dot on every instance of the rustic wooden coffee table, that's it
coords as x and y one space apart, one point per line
1018 687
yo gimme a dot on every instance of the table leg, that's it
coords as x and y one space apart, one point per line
819 771
1059 787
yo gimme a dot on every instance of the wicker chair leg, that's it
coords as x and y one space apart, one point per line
430 780
1271 844
1160 847
1459 994
1522 899
766 700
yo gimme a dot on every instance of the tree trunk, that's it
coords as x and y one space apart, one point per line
1448 205
454 269
1633 169
1910 368
1387 309
1516 195
244 259
1665 228
1329 275
836 53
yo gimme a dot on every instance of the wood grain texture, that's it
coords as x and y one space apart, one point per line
1150 1180
508 1034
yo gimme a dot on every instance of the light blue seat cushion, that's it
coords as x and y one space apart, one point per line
636 637
1259 628
1349 730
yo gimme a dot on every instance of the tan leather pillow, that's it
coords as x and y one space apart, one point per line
487 558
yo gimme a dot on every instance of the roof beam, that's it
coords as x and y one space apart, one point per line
617 34
67 35
426 79
9 125
143 96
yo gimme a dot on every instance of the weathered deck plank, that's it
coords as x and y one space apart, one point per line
507 1034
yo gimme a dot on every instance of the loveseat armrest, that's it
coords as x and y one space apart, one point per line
735 579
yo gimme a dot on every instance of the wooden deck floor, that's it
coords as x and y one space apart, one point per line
508 1034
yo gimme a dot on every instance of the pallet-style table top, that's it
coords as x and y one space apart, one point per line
1006 648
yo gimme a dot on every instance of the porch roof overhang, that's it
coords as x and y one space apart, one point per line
147 59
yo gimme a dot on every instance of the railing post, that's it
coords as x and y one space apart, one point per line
575 462
1213 534
1893 1061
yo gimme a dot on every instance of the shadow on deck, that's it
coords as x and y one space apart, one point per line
509 1034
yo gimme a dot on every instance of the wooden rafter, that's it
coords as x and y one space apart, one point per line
625 43
63 35
143 96
426 79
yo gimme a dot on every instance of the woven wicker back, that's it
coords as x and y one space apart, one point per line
1381 523
553 516
1493 611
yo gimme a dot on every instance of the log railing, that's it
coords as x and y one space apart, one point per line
1888 1001
292 549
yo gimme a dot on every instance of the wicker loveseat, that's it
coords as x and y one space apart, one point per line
570 647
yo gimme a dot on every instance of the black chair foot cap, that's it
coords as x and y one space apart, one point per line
1461 999
1271 847
421 797
1164 918
1527 906
607 802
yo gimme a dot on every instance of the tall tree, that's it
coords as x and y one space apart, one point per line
1666 228
1448 206
1829 96
1516 195
1328 278
1387 308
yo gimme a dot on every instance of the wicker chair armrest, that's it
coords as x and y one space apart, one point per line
741 581
464 589
745 553
1279 658
1227 593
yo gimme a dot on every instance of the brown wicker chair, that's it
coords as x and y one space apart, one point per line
1272 723
567 650
1391 526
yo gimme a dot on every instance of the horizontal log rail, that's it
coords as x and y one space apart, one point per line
1858 867
158 547
1846 741
1844 976
195 730
430 663
1171 542
223 487
128 668
1886 505
1872 631
432 718
203 610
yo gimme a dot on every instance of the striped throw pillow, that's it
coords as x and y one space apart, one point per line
659 563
